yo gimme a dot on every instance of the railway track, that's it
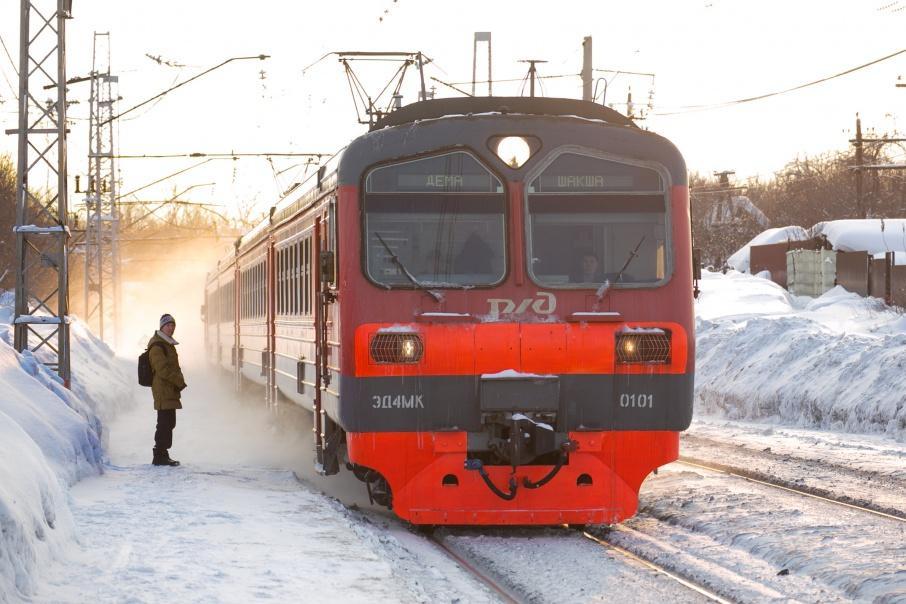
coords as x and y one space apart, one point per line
685 582
773 482
505 594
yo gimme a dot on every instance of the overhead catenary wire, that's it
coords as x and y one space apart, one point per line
160 180
260 57
9 56
12 88
220 155
694 108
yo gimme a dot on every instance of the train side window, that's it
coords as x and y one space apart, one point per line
592 220
297 278
283 282
278 282
307 274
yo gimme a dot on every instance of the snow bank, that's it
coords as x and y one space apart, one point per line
836 362
872 235
740 259
50 437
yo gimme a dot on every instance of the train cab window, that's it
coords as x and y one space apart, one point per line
440 218
592 220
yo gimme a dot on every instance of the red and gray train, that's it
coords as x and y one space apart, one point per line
487 305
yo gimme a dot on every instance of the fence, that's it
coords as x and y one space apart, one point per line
878 278
772 257
853 270
857 272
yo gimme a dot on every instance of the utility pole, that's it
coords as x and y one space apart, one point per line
102 288
860 202
481 36
586 69
42 263
860 167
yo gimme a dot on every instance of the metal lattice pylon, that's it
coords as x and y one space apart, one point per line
102 262
42 285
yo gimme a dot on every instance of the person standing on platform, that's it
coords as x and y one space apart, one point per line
166 388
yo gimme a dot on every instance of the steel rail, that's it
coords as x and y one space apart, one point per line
760 479
687 583
483 577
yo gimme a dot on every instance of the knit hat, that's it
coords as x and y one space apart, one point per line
166 318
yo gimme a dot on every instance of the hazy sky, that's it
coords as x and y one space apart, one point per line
701 52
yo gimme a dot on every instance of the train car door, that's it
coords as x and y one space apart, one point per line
327 433
271 315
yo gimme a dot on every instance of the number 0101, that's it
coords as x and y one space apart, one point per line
637 401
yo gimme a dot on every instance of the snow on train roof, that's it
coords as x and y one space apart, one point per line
541 106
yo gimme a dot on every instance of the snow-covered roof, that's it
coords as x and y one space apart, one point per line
872 235
740 259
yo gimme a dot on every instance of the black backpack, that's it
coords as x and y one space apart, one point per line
145 372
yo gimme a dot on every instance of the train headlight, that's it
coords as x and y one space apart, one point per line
513 150
409 348
643 346
628 347
397 348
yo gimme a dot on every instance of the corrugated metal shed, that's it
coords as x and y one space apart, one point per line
810 272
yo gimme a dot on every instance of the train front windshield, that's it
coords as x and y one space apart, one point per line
593 220
441 219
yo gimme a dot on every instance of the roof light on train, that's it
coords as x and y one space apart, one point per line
514 151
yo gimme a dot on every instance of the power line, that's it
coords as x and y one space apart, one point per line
183 83
519 79
16 71
221 155
9 56
159 180
693 108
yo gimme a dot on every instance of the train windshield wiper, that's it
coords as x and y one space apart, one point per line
605 287
402 267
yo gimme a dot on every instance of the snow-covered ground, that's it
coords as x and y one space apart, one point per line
754 543
233 523
835 362
866 470
50 437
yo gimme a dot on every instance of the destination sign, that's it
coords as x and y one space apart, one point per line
450 173
573 173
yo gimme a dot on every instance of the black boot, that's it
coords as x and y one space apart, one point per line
158 459
168 461
162 458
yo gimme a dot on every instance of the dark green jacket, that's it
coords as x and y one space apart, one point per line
168 379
